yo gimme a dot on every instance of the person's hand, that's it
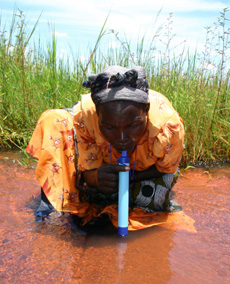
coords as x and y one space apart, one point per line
107 177
81 185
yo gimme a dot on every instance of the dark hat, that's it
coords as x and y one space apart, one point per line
119 83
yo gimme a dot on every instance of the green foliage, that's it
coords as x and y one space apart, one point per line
33 80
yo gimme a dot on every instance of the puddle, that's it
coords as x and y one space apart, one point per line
34 252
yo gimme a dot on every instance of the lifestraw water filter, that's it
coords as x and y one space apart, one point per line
123 196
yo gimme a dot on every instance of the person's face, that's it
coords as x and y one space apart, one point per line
122 123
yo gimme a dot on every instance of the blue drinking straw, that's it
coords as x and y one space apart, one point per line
123 196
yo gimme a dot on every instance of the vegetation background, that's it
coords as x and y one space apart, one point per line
33 79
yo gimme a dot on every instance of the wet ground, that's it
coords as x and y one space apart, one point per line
34 252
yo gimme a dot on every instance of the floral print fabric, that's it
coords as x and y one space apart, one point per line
162 143
53 145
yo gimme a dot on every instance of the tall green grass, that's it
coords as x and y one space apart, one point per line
33 79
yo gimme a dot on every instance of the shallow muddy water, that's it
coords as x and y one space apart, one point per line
34 252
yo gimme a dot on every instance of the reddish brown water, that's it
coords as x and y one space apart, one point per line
34 252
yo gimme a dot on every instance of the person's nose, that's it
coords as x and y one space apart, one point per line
122 136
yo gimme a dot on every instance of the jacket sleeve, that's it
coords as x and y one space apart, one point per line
168 145
90 155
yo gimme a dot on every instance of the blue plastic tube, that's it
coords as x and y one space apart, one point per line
123 196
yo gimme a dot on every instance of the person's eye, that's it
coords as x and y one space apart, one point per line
109 127
132 126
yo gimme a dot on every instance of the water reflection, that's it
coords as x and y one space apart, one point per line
49 252
105 258
121 250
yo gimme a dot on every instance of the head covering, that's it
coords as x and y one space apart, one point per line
119 83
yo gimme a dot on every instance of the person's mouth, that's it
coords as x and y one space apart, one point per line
124 147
